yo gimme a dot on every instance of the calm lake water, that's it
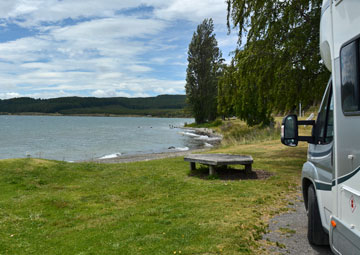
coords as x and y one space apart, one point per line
81 138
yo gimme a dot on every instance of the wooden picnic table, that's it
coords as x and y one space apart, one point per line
213 160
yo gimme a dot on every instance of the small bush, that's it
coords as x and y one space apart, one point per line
243 134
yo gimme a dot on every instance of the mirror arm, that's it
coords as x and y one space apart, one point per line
309 139
306 122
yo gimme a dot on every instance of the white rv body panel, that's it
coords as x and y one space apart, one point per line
326 34
346 20
325 212
349 202
340 25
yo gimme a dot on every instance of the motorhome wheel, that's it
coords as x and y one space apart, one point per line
316 233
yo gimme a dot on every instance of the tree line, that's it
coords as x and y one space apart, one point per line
163 105
276 65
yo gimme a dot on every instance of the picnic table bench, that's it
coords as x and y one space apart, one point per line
213 160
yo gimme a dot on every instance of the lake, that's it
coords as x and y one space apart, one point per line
80 138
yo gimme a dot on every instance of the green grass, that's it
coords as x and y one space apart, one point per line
236 132
154 207
215 123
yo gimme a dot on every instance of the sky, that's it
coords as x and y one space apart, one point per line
101 48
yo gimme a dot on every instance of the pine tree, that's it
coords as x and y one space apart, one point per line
203 71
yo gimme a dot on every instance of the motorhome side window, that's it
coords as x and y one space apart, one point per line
349 58
330 121
324 130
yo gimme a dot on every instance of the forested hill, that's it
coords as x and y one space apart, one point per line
162 106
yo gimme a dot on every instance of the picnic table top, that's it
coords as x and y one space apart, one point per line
219 159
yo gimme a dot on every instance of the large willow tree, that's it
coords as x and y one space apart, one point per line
203 71
279 64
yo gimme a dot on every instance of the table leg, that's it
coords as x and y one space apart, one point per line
248 169
211 170
192 166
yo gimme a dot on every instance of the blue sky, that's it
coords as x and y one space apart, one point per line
132 48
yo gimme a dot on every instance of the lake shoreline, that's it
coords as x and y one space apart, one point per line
145 156
167 154
76 139
102 140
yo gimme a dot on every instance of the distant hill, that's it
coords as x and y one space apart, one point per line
162 106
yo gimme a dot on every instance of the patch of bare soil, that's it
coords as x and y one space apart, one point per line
229 173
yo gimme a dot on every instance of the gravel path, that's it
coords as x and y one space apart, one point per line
288 232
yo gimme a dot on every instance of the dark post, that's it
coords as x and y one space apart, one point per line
192 166
248 169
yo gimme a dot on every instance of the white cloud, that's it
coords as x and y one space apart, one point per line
165 90
138 68
103 29
9 95
23 50
109 93
230 40
106 76
33 12
7 6
160 60
105 51
49 94
194 11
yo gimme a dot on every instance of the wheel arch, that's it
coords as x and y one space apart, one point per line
309 175
306 182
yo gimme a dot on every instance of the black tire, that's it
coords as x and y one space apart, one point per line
316 232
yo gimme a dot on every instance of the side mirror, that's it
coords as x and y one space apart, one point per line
289 131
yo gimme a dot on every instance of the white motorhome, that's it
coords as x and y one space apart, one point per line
331 176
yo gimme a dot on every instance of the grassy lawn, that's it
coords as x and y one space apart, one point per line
154 207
